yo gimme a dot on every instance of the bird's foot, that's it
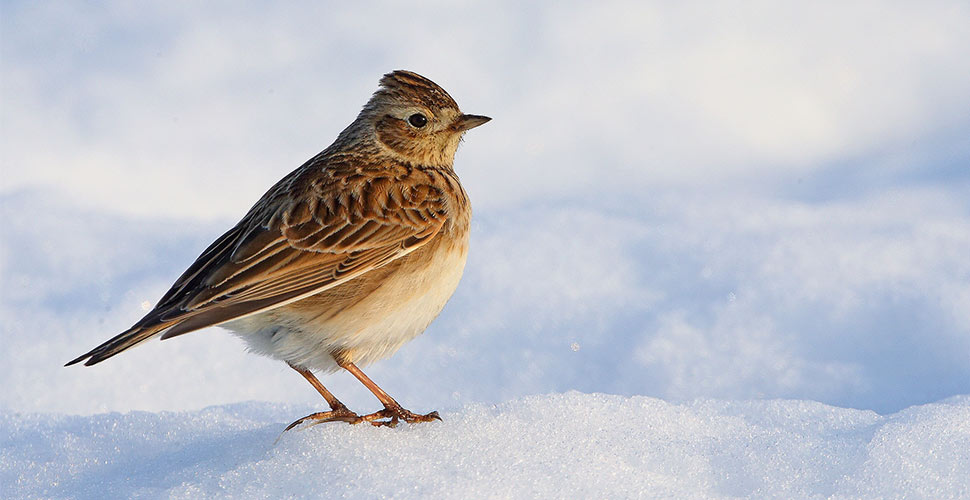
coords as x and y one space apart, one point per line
393 415
337 415
388 417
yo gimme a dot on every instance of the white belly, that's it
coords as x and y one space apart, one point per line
369 330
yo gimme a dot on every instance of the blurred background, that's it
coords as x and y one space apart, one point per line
674 199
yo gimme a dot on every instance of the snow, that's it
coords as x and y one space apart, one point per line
550 446
855 304
716 252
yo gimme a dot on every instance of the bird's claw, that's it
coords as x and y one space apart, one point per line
395 415
341 415
387 417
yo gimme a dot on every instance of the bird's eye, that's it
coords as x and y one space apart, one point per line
417 120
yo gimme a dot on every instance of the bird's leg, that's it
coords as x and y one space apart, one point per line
338 411
392 409
332 400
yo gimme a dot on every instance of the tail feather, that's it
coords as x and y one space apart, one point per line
121 342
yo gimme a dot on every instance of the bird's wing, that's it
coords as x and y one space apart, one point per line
305 241
306 235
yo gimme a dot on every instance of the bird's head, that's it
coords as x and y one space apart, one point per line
416 120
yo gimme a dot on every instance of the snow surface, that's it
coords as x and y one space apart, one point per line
748 223
552 446
856 304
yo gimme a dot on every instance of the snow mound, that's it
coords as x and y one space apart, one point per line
551 446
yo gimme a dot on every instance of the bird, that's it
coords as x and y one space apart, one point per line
343 260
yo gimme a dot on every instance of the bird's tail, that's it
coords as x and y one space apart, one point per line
121 342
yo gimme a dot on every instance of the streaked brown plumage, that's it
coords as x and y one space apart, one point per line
346 258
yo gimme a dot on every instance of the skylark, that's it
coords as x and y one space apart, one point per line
343 260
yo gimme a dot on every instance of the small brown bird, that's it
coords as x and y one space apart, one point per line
343 260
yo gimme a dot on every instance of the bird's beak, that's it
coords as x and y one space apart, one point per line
468 122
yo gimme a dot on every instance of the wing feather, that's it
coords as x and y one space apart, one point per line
301 246
315 229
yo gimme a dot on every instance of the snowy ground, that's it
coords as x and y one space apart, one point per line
855 304
716 252
864 315
554 446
